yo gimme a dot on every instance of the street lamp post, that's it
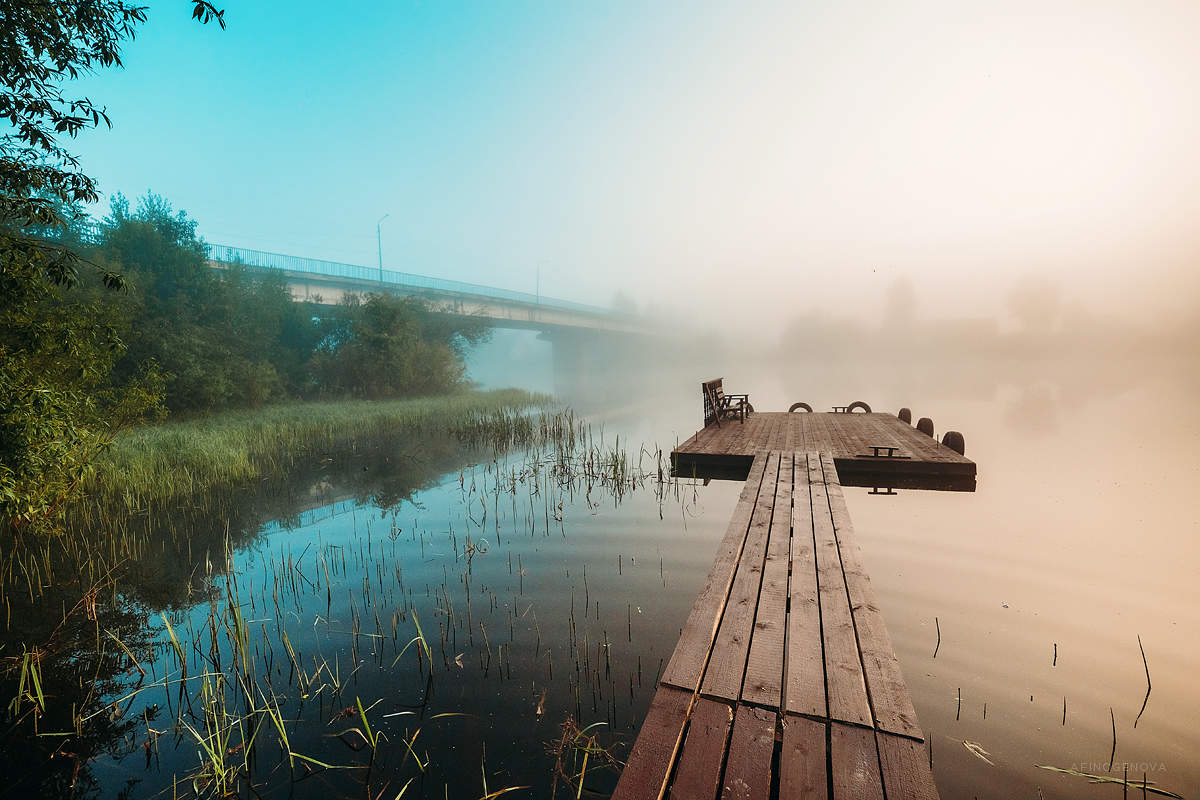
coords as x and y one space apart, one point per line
379 243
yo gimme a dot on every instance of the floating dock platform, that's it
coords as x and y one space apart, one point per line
918 460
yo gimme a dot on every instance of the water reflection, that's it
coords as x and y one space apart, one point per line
423 615
543 598
1080 537
94 607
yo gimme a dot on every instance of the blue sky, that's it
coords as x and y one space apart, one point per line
747 158
485 131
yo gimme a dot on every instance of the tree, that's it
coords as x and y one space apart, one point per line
388 346
54 355
224 338
45 45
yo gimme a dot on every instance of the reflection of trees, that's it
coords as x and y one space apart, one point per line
71 624
73 597
171 573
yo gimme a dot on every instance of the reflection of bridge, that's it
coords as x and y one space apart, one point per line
327 282
590 343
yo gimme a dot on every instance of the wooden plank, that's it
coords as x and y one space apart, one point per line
649 765
883 431
860 432
748 767
805 678
691 653
890 701
778 432
854 763
698 775
845 686
768 433
764 668
795 439
727 665
802 760
837 427
814 433
905 765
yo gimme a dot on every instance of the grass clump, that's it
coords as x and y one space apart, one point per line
176 460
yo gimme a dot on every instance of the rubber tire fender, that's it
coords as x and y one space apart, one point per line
954 440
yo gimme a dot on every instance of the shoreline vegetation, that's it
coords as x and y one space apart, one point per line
146 624
80 364
172 461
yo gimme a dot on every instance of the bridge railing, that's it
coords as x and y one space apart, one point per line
317 266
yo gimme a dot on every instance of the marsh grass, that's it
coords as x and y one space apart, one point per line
161 464
573 751
228 668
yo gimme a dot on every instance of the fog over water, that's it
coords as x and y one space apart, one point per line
750 161
1081 537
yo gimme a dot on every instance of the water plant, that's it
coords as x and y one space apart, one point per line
1145 786
163 463
254 642
572 752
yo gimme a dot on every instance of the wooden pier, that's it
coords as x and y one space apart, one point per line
918 460
784 682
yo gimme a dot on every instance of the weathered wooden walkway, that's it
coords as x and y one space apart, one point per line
919 460
784 682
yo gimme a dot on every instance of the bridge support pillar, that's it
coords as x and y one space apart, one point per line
591 368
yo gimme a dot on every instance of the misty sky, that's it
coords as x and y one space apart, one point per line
759 158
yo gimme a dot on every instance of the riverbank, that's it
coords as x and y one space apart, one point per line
175 460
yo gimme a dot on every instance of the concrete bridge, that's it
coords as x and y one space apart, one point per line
328 282
591 345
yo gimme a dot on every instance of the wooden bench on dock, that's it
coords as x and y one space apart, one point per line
784 682
718 405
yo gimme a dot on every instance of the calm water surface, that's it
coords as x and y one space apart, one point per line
1083 534
565 601
542 597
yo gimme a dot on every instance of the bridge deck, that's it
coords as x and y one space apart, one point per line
784 682
727 450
